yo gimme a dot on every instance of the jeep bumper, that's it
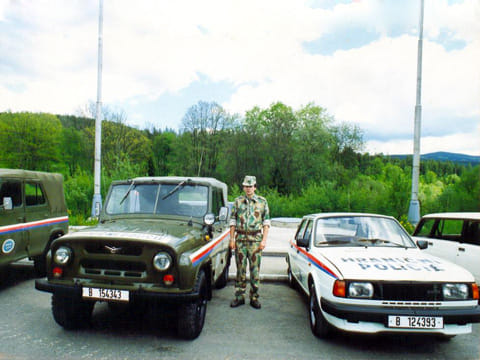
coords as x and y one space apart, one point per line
75 291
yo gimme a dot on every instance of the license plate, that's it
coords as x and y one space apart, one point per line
105 294
415 322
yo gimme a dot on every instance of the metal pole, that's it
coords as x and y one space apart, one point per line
97 196
414 209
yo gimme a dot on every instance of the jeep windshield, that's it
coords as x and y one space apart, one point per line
161 199
363 231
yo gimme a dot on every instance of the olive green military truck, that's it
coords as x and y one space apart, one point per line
160 240
32 214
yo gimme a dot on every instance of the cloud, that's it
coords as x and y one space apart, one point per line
261 52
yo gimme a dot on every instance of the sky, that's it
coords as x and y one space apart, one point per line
356 59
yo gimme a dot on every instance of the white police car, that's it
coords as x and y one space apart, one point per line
452 236
363 273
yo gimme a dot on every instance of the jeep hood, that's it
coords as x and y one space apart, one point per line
167 232
392 264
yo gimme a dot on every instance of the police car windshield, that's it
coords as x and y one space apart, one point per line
162 199
360 231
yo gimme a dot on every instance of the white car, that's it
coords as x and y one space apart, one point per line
453 236
363 273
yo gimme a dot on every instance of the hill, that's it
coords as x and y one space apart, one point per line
445 156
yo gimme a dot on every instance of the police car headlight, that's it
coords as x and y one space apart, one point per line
62 255
455 291
362 290
162 261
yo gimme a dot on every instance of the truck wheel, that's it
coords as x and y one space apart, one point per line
191 316
71 313
319 325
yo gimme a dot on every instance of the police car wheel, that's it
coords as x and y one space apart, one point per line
318 324
291 280
191 316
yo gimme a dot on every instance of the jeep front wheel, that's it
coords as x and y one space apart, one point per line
71 313
191 316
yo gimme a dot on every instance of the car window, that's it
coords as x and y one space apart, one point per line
11 189
34 194
308 231
425 228
449 229
217 200
301 230
472 232
360 231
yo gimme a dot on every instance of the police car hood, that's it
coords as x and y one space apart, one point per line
393 264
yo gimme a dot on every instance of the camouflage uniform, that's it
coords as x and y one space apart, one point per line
249 216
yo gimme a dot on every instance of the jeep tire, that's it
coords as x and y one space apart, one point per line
71 313
191 315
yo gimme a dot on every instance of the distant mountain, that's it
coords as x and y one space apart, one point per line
445 156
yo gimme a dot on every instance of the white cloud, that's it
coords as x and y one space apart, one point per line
156 47
465 143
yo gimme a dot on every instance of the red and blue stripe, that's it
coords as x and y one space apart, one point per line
9 229
317 263
204 251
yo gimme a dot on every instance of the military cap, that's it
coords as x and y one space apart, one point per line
249 181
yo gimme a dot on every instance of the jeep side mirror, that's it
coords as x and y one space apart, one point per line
223 214
7 203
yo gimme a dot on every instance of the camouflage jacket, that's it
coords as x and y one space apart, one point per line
249 216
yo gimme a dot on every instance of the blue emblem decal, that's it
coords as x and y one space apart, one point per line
8 246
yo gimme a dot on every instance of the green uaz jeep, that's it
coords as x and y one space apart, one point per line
159 240
32 214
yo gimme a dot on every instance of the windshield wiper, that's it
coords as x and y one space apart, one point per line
175 189
378 240
333 242
128 192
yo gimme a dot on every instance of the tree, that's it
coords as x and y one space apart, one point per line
30 141
205 122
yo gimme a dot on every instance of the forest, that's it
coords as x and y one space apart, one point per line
304 160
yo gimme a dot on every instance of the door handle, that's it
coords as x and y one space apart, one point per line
430 243
461 249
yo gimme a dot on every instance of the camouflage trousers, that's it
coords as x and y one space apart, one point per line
247 251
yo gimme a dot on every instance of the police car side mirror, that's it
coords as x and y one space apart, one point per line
7 203
302 242
422 244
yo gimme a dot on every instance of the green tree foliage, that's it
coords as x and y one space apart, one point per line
30 141
304 162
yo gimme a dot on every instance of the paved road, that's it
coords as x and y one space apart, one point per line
280 330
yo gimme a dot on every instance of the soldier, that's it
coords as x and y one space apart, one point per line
250 215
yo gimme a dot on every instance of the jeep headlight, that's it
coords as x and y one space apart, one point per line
62 255
162 261
362 290
455 291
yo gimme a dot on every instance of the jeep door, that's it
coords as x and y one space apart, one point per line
13 239
37 213
220 257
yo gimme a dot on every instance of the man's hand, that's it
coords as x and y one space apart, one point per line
262 245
